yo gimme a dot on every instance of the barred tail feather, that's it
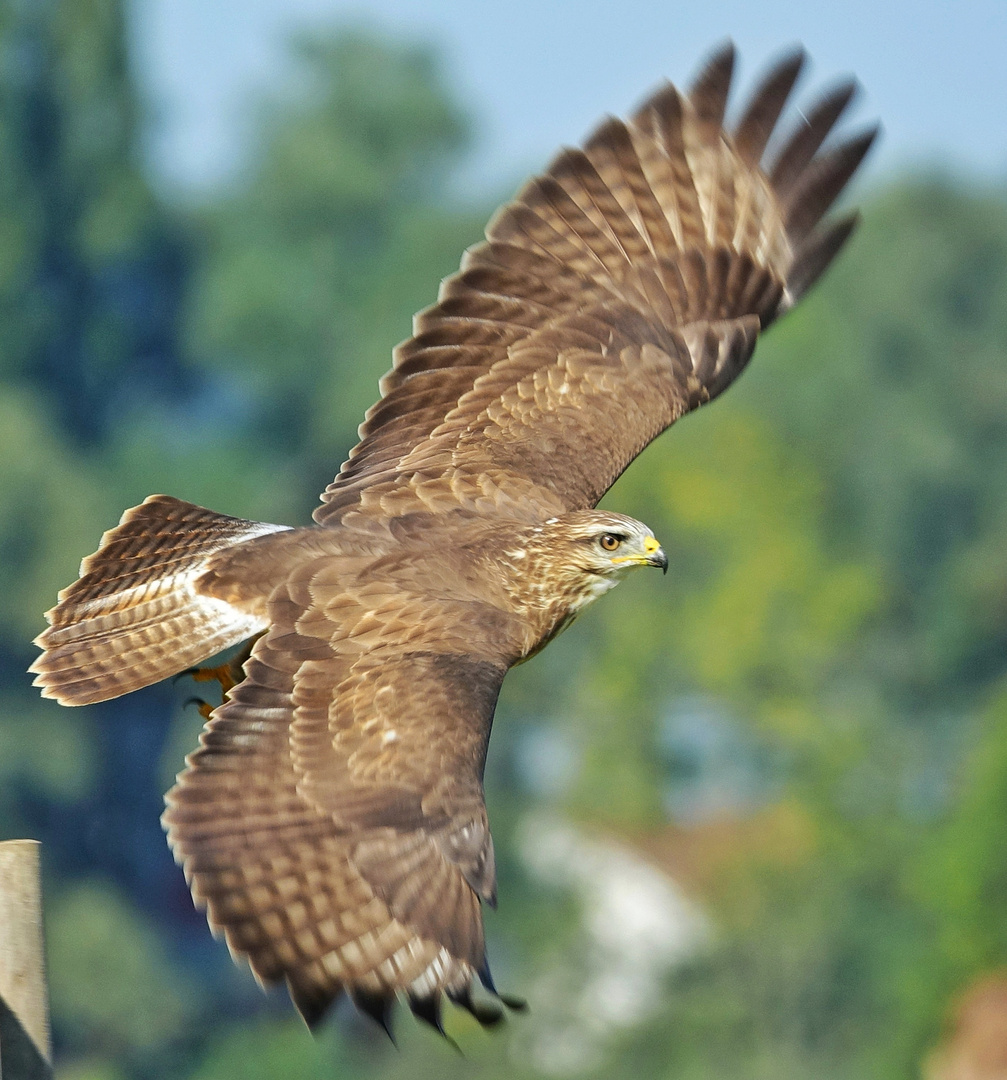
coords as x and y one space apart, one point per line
135 616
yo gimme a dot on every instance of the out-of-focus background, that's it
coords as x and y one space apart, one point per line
751 819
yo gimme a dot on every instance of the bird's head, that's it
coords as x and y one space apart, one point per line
573 559
596 542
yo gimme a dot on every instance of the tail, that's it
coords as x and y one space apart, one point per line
135 615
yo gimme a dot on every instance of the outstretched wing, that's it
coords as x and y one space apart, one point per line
332 820
621 289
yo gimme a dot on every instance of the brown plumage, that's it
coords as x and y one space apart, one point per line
332 821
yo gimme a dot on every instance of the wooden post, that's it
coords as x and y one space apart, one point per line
25 1051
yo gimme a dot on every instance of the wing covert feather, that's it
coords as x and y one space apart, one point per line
593 286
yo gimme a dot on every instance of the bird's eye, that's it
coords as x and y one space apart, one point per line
609 541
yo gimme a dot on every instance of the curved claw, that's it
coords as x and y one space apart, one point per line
222 674
205 708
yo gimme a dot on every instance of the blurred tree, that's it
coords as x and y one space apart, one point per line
959 877
892 378
92 270
313 269
91 267
112 986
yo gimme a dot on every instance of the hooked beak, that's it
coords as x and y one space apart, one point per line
654 554
658 558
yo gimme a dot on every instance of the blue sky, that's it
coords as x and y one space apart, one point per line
538 73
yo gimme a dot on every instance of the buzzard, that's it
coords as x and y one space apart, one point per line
332 819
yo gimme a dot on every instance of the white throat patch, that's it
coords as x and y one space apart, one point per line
597 586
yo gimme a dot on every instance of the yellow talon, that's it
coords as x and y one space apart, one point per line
228 674
224 674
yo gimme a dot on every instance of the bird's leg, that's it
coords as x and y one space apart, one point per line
228 674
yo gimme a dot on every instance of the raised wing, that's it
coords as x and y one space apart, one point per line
620 290
332 820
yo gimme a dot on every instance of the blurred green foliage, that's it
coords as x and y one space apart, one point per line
110 984
90 264
836 610
312 269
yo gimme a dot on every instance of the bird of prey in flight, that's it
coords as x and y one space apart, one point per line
332 820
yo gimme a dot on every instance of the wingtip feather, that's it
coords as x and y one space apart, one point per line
823 180
766 103
709 92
